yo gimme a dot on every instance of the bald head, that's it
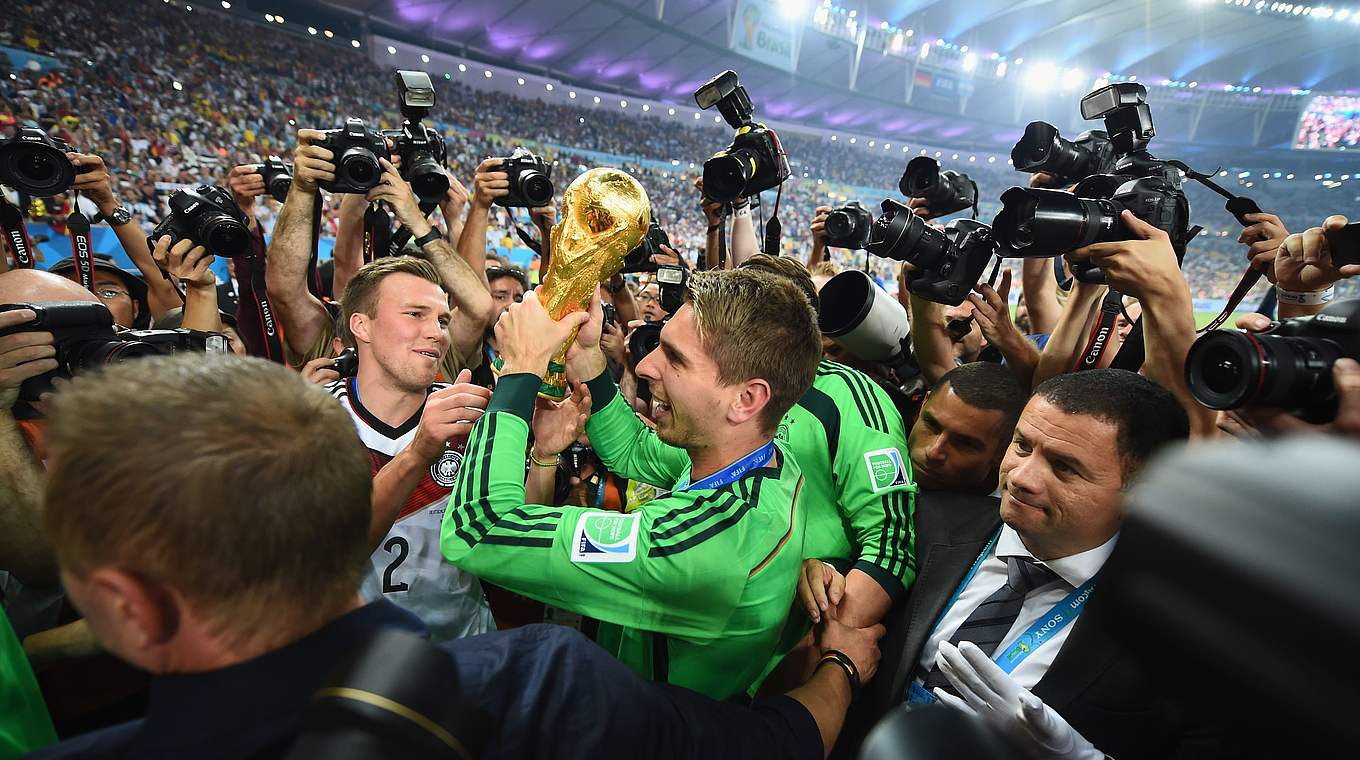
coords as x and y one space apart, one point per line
36 286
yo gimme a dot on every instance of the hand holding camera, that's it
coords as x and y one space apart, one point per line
246 183
312 161
92 179
1306 261
23 355
185 260
393 190
489 184
206 215
1263 239
1144 267
527 178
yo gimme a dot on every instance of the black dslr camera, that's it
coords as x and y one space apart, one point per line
1289 365
944 192
671 281
848 226
421 149
530 180
755 160
1037 222
208 216
356 150
1042 149
948 262
35 164
84 337
640 258
277 175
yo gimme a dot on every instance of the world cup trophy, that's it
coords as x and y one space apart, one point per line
605 213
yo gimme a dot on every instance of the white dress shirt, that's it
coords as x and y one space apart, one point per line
1074 570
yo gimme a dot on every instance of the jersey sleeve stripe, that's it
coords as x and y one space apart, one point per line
855 394
704 535
529 541
866 392
720 503
686 509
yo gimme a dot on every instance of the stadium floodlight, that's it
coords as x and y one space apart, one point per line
793 9
329 34
1001 70
646 107
852 140
925 51
871 143
278 19
1072 79
548 86
991 159
670 111
487 73
1041 75
267 17
226 5
696 116
969 62
311 30
424 58
391 50
623 104
354 43
177 86
571 94
519 81
596 99
462 68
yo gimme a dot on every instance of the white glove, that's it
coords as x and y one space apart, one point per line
987 691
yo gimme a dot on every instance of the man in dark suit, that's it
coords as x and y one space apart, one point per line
1011 576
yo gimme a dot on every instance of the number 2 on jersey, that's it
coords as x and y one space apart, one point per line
398 546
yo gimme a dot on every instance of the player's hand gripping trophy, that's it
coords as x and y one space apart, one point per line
605 213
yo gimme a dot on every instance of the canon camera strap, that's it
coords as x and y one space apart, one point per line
1099 340
257 299
313 273
78 227
16 235
377 232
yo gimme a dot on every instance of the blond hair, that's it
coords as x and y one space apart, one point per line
361 294
230 479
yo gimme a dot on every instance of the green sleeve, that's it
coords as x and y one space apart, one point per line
877 494
24 723
668 568
627 447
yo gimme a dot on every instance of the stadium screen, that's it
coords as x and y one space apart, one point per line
1329 122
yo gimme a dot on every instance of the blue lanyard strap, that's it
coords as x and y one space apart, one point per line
732 472
1058 617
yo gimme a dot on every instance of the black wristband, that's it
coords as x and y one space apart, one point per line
848 665
428 238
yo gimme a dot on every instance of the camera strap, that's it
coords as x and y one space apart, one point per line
377 232
253 297
16 235
393 242
1111 306
773 229
313 274
78 227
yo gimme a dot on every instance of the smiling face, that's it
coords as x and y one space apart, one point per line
1062 481
406 336
691 404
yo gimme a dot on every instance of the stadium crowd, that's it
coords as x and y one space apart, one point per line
735 500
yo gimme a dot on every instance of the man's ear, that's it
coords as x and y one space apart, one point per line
142 613
750 401
358 327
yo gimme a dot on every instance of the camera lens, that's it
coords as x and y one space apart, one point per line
535 188
223 236
279 185
38 170
427 179
1227 370
900 235
725 177
920 178
1043 149
839 224
1035 222
359 168
100 352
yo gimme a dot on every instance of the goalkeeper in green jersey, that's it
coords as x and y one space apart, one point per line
694 588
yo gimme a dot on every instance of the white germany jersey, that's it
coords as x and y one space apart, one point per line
408 569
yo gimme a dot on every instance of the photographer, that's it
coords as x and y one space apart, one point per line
702 599
743 240
238 649
1146 268
306 320
191 265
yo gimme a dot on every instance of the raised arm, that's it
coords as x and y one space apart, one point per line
191 264
92 179
348 253
488 184
290 250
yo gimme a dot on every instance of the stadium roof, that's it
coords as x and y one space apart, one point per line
664 48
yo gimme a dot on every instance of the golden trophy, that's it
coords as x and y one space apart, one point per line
605 213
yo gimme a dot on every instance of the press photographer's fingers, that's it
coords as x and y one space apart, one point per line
1346 380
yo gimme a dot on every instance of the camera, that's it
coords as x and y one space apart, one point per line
530 180
1042 149
1037 222
35 164
421 149
848 226
84 337
671 281
356 150
864 320
1289 365
755 161
640 258
347 363
277 175
948 262
208 216
944 192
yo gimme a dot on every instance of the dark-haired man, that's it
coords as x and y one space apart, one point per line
1012 580
961 433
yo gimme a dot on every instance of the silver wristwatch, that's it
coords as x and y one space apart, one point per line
119 216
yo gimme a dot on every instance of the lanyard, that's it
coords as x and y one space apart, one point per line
1058 617
732 472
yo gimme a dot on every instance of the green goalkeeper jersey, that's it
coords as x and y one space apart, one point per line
692 589
858 493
